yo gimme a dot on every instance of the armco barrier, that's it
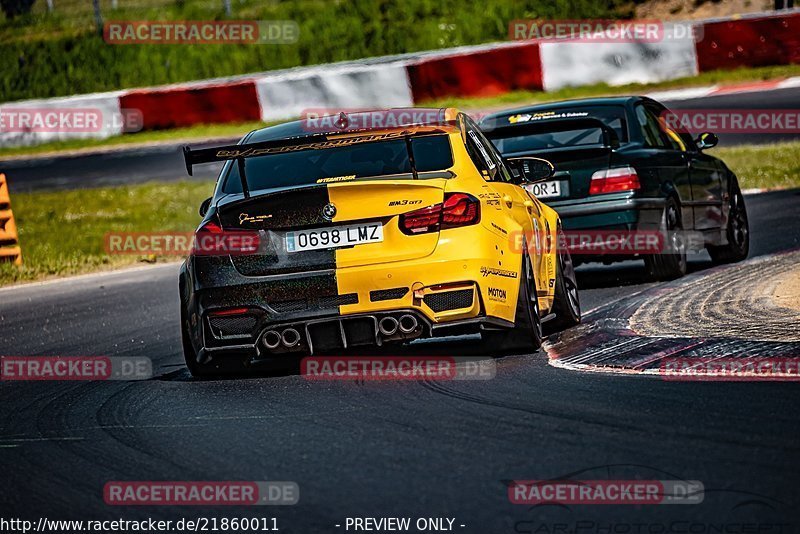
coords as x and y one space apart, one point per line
482 72
750 42
178 106
9 241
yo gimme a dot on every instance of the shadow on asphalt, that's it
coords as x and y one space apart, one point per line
628 273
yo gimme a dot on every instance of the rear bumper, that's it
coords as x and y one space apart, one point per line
336 309
614 212
611 211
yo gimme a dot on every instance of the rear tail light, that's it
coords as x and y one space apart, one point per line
613 180
458 209
228 312
212 240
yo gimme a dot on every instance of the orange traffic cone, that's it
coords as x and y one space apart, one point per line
9 242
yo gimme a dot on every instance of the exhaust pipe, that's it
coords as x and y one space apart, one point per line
271 339
290 338
408 323
387 326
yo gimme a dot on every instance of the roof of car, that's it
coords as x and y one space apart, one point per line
342 122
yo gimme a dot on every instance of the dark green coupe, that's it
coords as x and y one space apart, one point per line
619 167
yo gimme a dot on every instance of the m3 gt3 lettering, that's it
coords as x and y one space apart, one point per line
385 239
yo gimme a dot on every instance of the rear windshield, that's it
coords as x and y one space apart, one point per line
305 167
543 141
517 138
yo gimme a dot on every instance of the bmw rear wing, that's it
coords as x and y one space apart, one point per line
280 146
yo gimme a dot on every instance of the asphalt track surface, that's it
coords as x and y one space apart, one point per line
165 162
408 449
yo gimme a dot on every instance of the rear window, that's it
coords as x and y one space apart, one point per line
513 136
305 167
549 140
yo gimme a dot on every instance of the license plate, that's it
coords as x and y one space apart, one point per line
545 189
334 237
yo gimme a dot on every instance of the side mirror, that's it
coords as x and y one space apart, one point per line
706 140
531 170
204 207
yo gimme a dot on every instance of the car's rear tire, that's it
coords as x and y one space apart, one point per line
672 263
738 231
527 332
566 304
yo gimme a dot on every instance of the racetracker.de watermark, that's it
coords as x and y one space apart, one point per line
378 368
769 121
602 31
730 369
201 243
634 492
324 120
608 242
57 368
201 32
205 493
16 119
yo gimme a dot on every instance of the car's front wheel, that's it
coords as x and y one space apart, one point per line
527 332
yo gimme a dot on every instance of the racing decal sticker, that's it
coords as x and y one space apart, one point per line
486 271
497 294
330 143
333 179
244 217
499 229
546 115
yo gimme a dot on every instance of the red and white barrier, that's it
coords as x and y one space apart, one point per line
286 96
32 122
477 71
750 42
402 81
189 104
573 64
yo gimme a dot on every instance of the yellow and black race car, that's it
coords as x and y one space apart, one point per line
378 227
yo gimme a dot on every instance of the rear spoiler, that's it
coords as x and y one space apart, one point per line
610 138
309 142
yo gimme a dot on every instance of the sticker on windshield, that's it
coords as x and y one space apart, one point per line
546 115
